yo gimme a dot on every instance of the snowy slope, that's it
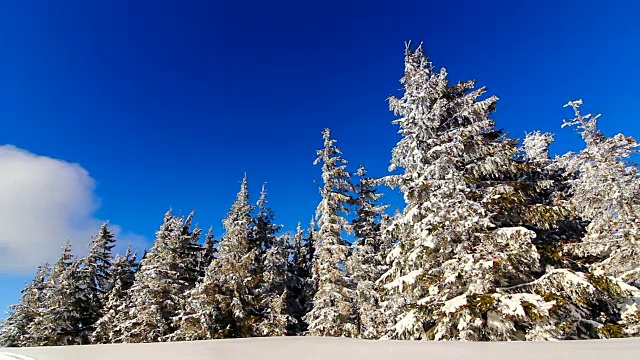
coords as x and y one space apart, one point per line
298 348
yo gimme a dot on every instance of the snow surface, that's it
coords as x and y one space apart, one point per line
315 348
11 356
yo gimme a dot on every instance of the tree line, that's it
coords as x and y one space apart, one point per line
497 241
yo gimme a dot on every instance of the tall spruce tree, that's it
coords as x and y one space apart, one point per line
108 329
264 227
367 261
465 265
14 331
605 190
95 279
271 291
97 263
60 321
274 295
332 313
166 273
209 251
224 303
299 273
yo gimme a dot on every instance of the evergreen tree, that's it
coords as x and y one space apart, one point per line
274 277
95 279
299 273
605 191
264 228
274 294
14 331
98 262
465 265
449 245
108 329
307 274
60 321
310 244
209 251
332 312
223 304
367 262
167 272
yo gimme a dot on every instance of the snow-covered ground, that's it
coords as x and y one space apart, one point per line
300 348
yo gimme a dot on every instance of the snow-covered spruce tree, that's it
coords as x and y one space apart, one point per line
14 331
223 304
273 294
117 302
540 195
332 313
264 228
274 276
166 274
305 272
60 319
605 191
299 273
94 278
209 251
456 242
310 245
367 261
97 263
465 265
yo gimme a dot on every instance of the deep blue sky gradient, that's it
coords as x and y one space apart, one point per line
169 103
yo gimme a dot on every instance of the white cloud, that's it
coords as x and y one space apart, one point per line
44 202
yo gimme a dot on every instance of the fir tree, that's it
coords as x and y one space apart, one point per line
60 321
97 264
310 244
274 294
308 276
264 228
108 329
14 331
367 262
299 273
166 274
604 191
456 167
94 278
272 289
332 312
223 304
209 251
465 265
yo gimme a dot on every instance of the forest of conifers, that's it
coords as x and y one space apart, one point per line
497 241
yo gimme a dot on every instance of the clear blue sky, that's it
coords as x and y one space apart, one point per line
169 103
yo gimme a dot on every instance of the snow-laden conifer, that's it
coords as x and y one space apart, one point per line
606 191
14 331
274 295
332 313
60 320
209 251
97 263
223 304
465 230
264 228
298 275
94 278
108 329
166 273
367 261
